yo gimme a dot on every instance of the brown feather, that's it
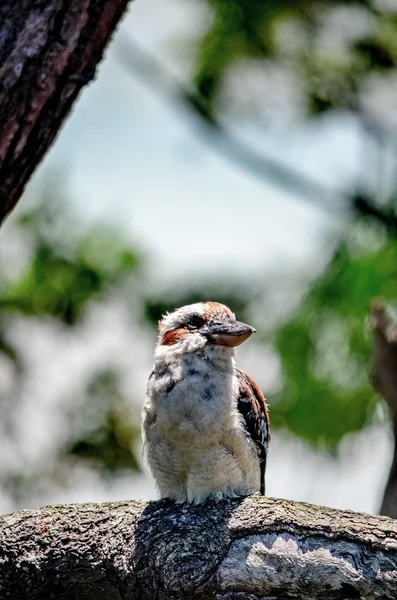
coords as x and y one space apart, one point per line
252 406
172 337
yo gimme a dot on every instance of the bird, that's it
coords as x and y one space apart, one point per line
205 423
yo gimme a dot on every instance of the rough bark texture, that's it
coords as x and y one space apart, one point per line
250 548
384 378
48 50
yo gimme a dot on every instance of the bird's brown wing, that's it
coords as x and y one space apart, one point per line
252 406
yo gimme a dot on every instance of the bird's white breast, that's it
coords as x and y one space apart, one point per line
195 400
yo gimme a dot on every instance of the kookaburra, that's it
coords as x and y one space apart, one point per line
205 423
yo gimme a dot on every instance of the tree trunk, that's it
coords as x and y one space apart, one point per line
384 378
237 549
49 49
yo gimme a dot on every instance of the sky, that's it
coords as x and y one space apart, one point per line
130 155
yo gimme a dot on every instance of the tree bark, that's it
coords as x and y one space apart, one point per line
383 375
237 549
49 49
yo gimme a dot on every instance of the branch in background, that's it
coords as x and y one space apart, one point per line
245 548
332 202
266 169
365 208
383 375
48 52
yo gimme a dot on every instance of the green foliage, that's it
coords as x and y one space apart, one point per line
106 428
66 272
325 346
296 34
67 267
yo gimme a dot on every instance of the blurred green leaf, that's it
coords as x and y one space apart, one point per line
325 348
332 75
107 432
67 271
67 266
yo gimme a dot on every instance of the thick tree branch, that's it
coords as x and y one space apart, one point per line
49 49
384 379
249 548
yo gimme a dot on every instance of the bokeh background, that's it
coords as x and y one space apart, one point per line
240 151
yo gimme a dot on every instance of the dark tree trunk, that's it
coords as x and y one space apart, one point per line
248 549
384 378
49 49
389 502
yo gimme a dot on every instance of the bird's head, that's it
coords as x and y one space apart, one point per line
196 326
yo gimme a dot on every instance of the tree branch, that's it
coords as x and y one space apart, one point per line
366 208
247 548
49 49
258 164
333 202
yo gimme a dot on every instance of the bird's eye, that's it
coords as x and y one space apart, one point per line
195 322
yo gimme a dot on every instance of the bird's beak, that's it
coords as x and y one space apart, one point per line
228 333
